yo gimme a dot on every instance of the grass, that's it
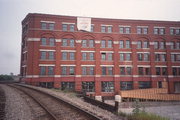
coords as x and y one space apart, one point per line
66 91
142 116
145 116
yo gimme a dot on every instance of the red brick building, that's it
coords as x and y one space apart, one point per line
115 55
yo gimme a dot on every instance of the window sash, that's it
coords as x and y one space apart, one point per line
51 26
103 43
43 41
84 56
51 41
64 27
42 70
64 56
72 28
71 56
50 70
51 55
121 44
43 55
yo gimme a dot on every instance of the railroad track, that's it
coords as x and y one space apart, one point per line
56 108
2 104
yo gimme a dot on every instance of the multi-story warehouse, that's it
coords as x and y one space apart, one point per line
114 55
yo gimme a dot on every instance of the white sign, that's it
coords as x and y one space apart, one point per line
84 23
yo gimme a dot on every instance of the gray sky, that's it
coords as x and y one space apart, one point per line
12 12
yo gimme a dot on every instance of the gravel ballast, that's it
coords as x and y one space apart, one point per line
106 115
16 107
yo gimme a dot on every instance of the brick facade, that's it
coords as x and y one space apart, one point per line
129 54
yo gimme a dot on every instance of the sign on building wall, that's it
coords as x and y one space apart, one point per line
84 23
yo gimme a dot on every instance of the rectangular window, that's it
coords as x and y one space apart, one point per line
72 27
51 55
109 43
71 70
157 57
88 86
172 45
64 70
64 42
126 85
43 26
110 56
162 31
177 57
107 86
128 70
64 27
139 30
127 29
147 71
178 45
103 70
91 43
146 56
145 30
140 71
103 56
128 44
64 56
156 45
91 70
84 43
140 58
110 71
71 54
71 43
163 57
91 56
177 31
121 44
43 55
103 43
42 70
162 45
144 85
43 41
84 72
172 31
121 29
164 71
122 70
84 56
51 41
68 86
121 57
158 71
92 28
174 71
146 44
172 57
51 26
155 31
103 29
109 29
128 57
139 44
50 70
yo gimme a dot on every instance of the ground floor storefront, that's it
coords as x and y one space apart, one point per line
105 86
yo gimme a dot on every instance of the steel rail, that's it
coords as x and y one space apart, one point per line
75 107
37 101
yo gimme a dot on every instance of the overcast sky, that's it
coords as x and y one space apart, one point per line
12 12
